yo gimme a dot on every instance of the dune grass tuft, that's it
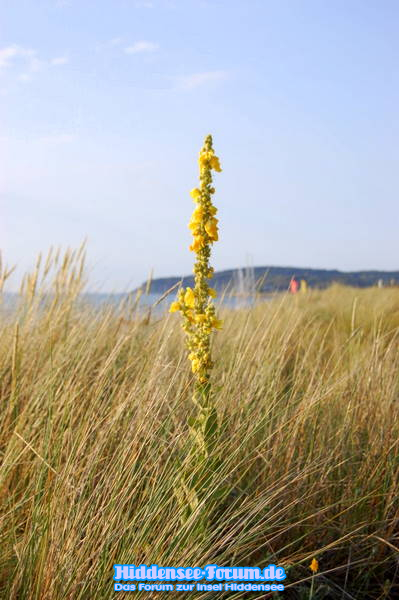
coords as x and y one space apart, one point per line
95 407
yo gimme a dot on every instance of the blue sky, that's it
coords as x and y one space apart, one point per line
105 105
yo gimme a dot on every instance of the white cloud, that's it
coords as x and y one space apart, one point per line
190 82
116 41
35 64
6 54
18 56
25 77
112 43
59 60
50 139
10 53
141 46
26 61
60 138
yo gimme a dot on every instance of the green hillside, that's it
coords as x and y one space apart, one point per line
278 278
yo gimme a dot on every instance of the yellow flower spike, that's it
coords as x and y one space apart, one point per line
174 307
314 566
199 319
189 298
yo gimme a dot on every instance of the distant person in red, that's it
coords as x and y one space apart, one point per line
294 285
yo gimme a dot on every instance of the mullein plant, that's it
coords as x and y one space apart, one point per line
199 320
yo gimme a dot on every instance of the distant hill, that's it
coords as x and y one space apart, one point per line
278 278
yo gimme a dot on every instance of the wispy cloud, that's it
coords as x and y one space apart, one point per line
195 80
6 55
11 53
116 41
112 43
26 61
25 77
59 138
48 139
18 56
59 61
142 46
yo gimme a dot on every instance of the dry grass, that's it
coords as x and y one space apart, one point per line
93 422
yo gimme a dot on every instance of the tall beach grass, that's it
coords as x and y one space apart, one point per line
94 414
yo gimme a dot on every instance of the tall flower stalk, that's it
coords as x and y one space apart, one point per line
199 320
195 304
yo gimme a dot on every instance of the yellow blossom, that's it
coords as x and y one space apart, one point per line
204 158
201 318
195 365
211 229
195 193
217 323
215 164
189 315
199 213
314 566
189 298
198 243
174 307
212 292
196 219
195 227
